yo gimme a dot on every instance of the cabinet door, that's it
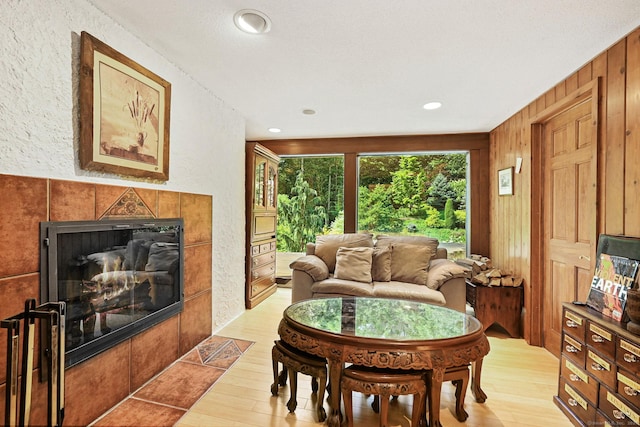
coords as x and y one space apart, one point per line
259 193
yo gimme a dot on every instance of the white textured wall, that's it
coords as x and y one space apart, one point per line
39 61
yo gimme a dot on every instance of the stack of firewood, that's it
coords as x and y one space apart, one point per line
482 272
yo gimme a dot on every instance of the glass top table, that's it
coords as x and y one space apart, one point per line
386 319
386 333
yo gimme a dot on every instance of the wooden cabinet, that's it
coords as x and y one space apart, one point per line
599 367
262 211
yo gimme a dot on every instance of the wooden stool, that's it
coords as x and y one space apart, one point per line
295 361
459 376
384 383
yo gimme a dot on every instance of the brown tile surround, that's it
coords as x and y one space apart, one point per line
111 376
167 397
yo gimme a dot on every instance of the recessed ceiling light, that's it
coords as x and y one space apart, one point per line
252 21
308 111
275 130
432 105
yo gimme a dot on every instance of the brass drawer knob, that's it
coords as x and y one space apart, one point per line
618 415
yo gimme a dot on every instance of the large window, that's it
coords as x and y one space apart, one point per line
408 194
310 200
418 194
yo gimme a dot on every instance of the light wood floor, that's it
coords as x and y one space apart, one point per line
520 382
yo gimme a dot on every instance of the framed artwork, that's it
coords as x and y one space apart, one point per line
124 114
505 182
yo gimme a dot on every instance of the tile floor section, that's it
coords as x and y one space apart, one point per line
168 396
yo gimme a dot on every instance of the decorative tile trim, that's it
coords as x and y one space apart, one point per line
128 205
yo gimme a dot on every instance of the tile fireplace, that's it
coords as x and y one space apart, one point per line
117 278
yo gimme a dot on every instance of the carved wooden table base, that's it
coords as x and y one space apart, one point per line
437 359
448 340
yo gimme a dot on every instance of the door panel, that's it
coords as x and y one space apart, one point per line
570 156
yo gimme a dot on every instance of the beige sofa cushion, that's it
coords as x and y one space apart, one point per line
409 291
339 287
410 263
354 264
381 264
442 270
312 265
327 245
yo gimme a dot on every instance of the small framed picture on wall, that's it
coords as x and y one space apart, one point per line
505 182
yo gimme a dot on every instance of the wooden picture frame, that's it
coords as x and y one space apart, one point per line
505 182
124 114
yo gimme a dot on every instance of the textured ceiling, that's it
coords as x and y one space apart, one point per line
368 66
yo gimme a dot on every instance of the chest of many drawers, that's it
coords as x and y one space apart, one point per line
599 382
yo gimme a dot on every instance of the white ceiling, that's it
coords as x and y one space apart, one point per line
368 66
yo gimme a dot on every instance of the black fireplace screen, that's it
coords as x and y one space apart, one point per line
117 278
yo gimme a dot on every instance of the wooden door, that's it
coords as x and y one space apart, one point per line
570 236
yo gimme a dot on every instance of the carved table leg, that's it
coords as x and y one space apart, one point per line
417 414
335 373
384 408
476 372
461 391
274 386
282 378
293 384
435 388
322 414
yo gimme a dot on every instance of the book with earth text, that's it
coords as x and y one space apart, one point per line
613 276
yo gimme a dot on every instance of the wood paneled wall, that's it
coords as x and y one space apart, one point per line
514 219
476 143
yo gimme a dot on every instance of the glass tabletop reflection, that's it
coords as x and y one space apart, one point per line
382 318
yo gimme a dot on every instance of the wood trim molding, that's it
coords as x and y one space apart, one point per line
350 192
534 294
378 144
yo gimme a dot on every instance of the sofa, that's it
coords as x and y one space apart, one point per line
403 267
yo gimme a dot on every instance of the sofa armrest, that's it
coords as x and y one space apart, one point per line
455 293
301 286
312 265
304 272
449 278
441 270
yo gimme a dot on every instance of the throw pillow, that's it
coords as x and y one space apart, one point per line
327 245
312 265
442 270
381 264
354 264
410 263
384 240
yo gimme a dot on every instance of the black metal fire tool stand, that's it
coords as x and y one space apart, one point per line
18 397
